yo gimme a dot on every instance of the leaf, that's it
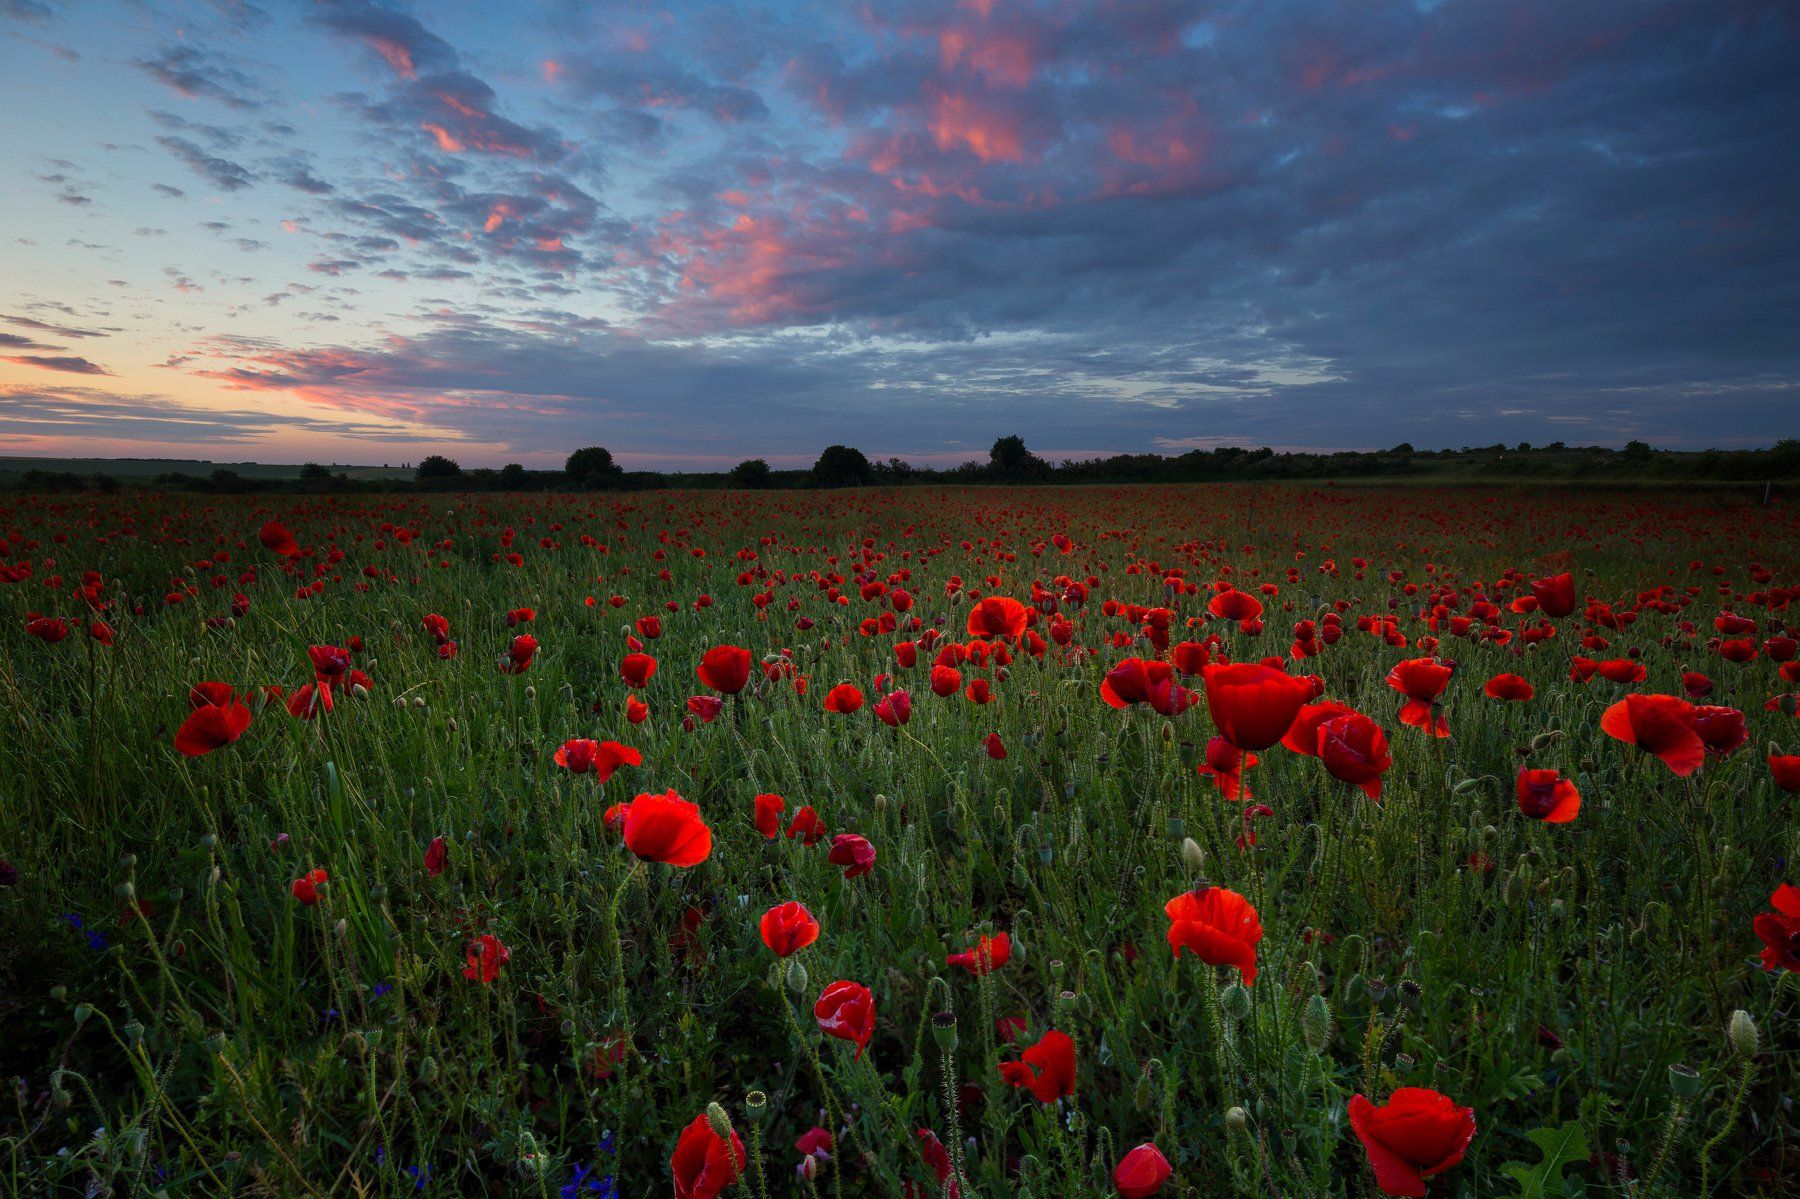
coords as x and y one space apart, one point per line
1561 1147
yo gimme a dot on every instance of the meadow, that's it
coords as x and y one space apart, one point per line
1288 840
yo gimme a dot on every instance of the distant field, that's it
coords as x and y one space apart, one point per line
143 468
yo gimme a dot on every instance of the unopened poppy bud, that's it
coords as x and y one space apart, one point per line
127 860
809 1167
125 890
1177 827
796 977
1684 1081
210 840
943 1027
59 992
1235 1001
1545 740
721 1123
428 1069
1466 786
418 701
881 803
1315 1024
530 694
359 691
1144 1094
82 1012
1192 854
1743 1034
1237 1119
176 894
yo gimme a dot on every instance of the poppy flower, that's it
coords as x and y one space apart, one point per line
519 616
705 1163
945 681
599 758
636 669
1621 670
218 720
980 691
1421 680
1720 729
706 707
1151 682
667 828
768 814
998 616
277 540
1355 750
1659 724
807 826
307 701
486 955
844 699
636 710
306 887
787 928
894 708
725 668
1225 765
437 856
1303 735
517 659
1217 926
995 748
1141 1173
1417 1133
1508 687
1697 685
1548 796
846 1010
1785 769
988 955
48 629
330 664
102 632
1555 594
1235 605
1780 929
1253 705
853 852
1047 1068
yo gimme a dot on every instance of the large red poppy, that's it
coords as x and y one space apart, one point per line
788 928
846 1010
1217 926
1659 724
1253 705
1047 1068
1548 796
705 1163
219 718
998 616
1421 680
667 828
1355 750
1417 1133
583 755
725 668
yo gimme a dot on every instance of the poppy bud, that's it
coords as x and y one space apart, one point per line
134 1032
428 1070
1315 1024
1684 1081
176 894
943 1027
127 860
125 890
1237 1119
59 992
796 978
1143 1095
209 841
1236 1001
373 1037
1545 740
721 1123
82 1012
1192 854
1743 1034
1466 786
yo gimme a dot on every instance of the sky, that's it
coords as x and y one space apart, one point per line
359 232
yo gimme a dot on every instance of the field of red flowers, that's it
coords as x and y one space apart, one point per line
1288 841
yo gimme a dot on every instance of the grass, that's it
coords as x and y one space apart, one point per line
225 1039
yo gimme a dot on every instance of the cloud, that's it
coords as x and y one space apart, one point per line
88 414
195 74
13 341
222 173
31 322
69 365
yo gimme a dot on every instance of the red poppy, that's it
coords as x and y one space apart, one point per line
980 691
219 718
306 887
517 659
1217 926
1659 724
894 708
599 758
276 539
1548 796
988 955
995 748
636 669
519 616
1303 735
1785 769
807 826
1235 605
768 814
636 710
846 1011
1621 670
1780 929
705 1163
945 681
788 927
1508 687
1555 594
998 616
102 632
725 668
706 707
437 856
1417 1133
1046 1068
307 701
1152 682
1720 729
853 852
1421 680
486 955
667 828
844 699
1697 685
1141 1173
48 629
1225 765
1355 750
1253 705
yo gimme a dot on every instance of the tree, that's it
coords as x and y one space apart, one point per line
512 477
436 466
841 466
752 474
593 466
1638 451
312 472
1009 459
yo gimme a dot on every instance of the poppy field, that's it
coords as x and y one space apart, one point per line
1293 841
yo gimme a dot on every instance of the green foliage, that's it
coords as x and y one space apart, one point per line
1562 1147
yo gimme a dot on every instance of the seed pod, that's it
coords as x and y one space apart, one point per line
943 1027
1237 1119
1684 1081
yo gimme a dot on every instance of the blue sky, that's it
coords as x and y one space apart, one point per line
694 233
